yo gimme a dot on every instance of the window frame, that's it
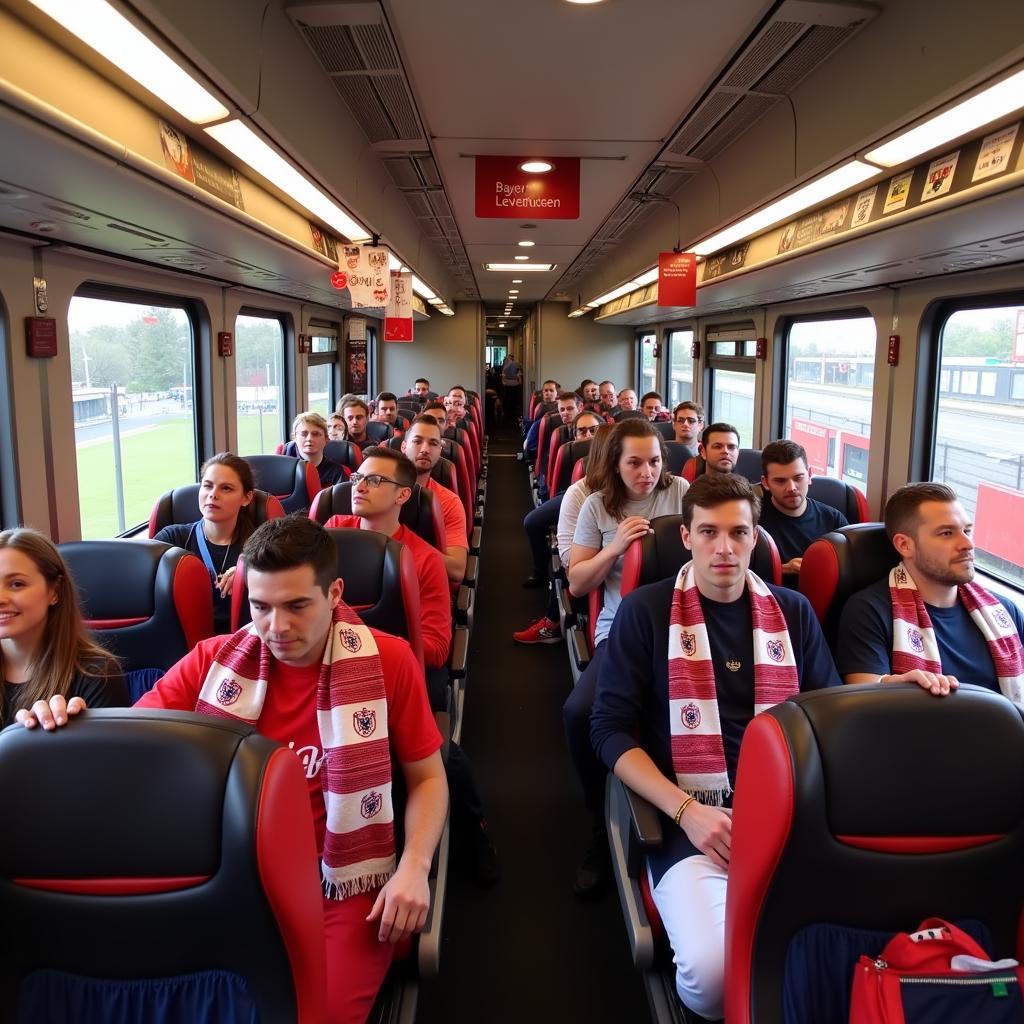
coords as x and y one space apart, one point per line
638 342
324 329
288 358
670 344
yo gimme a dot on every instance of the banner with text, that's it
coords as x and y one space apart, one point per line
364 272
505 191
677 279
398 319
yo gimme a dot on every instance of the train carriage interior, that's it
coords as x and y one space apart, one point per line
805 216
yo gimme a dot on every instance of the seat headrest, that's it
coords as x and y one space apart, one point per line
420 513
377 431
278 474
181 506
137 566
748 464
665 428
678 455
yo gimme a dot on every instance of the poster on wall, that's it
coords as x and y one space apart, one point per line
356 377
364 272
899 192
398 319
994 155
677 279
190 161
863 205
940 177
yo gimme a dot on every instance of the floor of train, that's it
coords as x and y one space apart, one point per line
527 949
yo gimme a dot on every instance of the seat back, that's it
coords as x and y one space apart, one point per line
160 607
292 480
814 841
565 461
378 432
748 464
842 496
421 513
661 553
678 455
628 414
665 428
557 437
548 425
839 564
181 506
579 469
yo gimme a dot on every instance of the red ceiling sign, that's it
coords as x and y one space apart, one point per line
505 192
677 279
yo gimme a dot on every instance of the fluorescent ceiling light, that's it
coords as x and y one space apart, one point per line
517 280
520 258
526 243
502 324
252 150
394 263
645 279
113 36
992 103
421 289
615 293
435 301
520 268
536 166
809 195
593 305
577 312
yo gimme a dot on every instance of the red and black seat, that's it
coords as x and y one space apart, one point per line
565 462
173 875
181 505
860 806
842 496
748 465
149 603
838 565
346 454
678 455
292 480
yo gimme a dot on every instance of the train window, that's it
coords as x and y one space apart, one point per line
321 372
732 401
648 363
135 429
680 383
979 437
831 370
259 366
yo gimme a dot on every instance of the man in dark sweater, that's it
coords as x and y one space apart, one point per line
793 519
701 623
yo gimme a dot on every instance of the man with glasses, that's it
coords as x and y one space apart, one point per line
627 400
688 422
650 406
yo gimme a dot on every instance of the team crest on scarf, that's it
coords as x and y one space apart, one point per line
776 650
915 640
228 692
370 804
350 640
690 715
901 576
999 614
365 722
688 642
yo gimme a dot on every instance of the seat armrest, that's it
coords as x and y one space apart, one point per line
459 653
428 948
578 647
475 539
627 863
644 820
472 571
463 605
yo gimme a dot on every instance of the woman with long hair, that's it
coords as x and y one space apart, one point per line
44 647
226 492
634 488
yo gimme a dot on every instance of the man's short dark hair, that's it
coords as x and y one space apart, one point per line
425 420
568 396
457 387
602 384
719 428
439 406
585 382
350 402
404 471
651 394
903 509
387 396
290 542
550 381
782 453
586 412
713 489
695 406
421 380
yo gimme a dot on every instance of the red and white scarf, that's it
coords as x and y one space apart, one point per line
352 714
698 754
913 639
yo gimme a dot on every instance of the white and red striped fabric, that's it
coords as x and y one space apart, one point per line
698 755
913 638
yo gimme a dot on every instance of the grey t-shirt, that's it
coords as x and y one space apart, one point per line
596 529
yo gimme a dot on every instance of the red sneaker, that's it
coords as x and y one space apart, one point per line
543 631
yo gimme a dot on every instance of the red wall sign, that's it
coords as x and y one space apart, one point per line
504 191
677 279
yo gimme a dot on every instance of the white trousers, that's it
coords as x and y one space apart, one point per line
691 900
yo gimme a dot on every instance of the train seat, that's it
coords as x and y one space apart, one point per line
840 495
181 505
838 565
292 480
565 462
379 432
748 465
813 843
160 608
187 891
665 428
628 414
678 455
344 453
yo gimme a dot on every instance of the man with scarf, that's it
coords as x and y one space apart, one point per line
690 661
928 622
307 673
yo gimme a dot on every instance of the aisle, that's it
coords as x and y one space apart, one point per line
526 950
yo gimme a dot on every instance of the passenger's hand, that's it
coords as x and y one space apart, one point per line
402 904
935 683
629 529
225 581
710 830
792 566
50 714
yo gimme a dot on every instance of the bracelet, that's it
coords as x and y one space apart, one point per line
682 807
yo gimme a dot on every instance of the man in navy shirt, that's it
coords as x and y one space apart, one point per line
931 532
793 519
633 721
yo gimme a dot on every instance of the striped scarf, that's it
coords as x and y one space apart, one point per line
698 754
352 714
913 639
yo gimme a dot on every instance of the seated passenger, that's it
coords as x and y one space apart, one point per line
421 388
438 412
548 394
44 648
225 505
607 395
335 427
678 744
356 414
950 629
386 410
275 673
309 432
568 410
637 487
650 406
627 400
422 445
455 405
719 449
688 423
588 392
793 519
533 434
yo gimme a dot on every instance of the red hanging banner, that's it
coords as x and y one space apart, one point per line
398 318
677 279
